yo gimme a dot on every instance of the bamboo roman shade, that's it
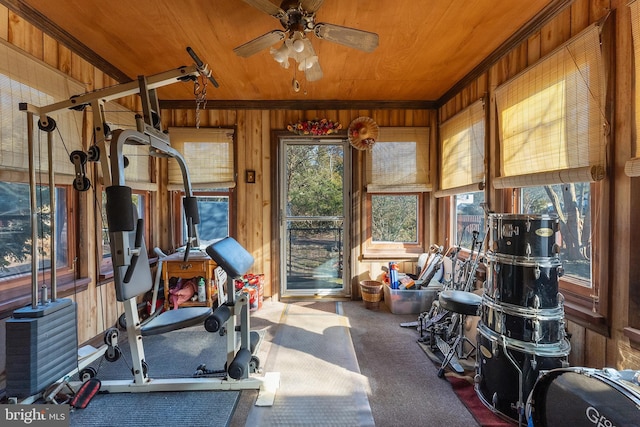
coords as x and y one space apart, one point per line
25 79
399 161
208 153
632 167
551 117
462 146
120 117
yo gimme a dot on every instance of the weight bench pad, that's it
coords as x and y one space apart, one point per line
175 319
231 256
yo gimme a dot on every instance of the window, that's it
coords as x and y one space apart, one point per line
462 140
552 129
469 218
15 221
214 208
140 201
208 153
389 227
396 179
26 80
552 118
209 156
572 204
394 224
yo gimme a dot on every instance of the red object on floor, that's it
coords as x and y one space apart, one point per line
253 284
467 394
85 393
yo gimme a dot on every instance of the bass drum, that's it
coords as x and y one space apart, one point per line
524 235
584 396
525 282
504 364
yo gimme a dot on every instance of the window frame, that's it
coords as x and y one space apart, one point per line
372 249
455 239
16 290
178 212
104 263
587 306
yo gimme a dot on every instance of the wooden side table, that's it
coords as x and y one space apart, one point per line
198 265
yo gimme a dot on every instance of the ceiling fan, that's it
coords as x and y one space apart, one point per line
298 18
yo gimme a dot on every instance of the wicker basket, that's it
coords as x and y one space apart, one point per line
371 291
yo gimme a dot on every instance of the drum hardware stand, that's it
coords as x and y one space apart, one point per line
457 348
461 304
474 267
438 321
450 357
432 325
520 405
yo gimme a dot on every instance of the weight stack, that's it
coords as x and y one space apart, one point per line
42 347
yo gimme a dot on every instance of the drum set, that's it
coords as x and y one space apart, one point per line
522 371
521 331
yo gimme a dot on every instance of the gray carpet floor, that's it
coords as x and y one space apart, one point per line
405 388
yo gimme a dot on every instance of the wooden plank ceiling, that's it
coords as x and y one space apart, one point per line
426 48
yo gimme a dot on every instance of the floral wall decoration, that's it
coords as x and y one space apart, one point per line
314 127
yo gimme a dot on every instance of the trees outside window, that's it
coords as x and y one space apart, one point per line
572 204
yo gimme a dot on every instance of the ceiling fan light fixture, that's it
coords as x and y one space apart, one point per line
298 45
298 19
281 54
308 63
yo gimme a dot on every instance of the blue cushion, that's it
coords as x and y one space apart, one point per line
231 256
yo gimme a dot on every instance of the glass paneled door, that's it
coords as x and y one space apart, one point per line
313 223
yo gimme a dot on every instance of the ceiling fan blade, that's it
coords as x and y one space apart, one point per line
313 73
267 7
256 45
311 5
351 37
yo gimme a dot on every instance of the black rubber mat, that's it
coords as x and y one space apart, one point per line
320 381
172 355
186 408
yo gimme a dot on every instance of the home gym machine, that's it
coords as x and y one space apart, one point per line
132 274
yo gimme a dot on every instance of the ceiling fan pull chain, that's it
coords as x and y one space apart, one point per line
201 97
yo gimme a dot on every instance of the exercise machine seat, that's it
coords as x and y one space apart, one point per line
172 320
